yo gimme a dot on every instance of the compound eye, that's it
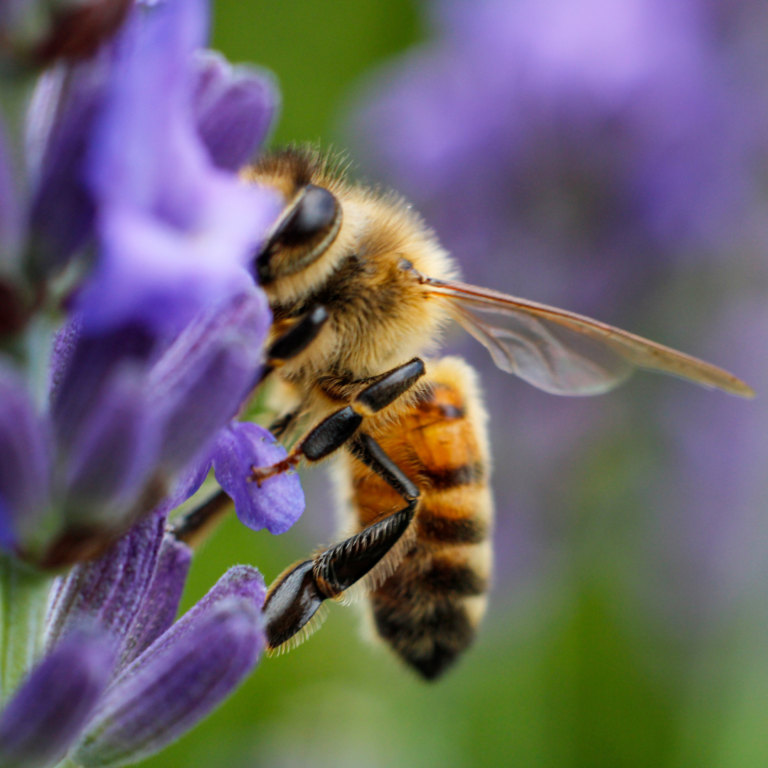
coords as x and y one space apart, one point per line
302 237
315 213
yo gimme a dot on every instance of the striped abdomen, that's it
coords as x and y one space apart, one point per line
429 607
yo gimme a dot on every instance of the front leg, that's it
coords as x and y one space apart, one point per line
334 431
294 341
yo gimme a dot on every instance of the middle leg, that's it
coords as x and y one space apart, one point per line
335 430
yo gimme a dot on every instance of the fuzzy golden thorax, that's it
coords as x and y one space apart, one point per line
367 279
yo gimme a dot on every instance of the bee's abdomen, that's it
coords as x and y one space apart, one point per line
428 610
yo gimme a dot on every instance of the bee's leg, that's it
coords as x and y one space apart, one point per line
295 340
331 433
195 527
296 595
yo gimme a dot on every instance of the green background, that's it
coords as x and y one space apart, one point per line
568 671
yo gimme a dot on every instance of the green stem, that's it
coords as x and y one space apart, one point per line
23 600
16 86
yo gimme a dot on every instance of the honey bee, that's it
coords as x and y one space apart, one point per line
360 291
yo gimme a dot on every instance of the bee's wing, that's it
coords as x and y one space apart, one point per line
565 353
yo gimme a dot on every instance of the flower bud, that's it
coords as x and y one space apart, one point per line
181 677
47 713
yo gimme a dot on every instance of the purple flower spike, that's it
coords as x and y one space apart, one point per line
83 366
234 108
181 677
176 233
241 581
24 460
48 712
279 502
115 452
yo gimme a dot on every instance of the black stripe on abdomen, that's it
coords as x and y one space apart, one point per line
428 638
442 579
450 530
443 479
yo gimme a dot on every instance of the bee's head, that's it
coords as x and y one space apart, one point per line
309 223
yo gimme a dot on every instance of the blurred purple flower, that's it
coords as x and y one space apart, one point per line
55 702
175 232
578 154
234 109
706 530
25 473
64 107
534 134
162 677
127 419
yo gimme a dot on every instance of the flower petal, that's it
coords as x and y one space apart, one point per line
279 502
202 379
49 710
176 233
85 365
161 602
114 454
181 677
234 108
109 591
62 113
24 458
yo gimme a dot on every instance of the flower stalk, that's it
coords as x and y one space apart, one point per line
23 602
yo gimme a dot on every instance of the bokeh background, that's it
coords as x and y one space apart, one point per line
608 156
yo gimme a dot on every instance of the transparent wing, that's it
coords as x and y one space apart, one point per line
565 353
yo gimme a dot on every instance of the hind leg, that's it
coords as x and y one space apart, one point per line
297 594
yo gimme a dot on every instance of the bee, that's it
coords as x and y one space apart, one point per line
361 290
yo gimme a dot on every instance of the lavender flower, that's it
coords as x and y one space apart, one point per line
176 233
234 109
603 133
55 701
131 332
132 681
165 333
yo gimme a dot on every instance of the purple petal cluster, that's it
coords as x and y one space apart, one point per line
132 154
131 332
120 680
55 701
176 232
